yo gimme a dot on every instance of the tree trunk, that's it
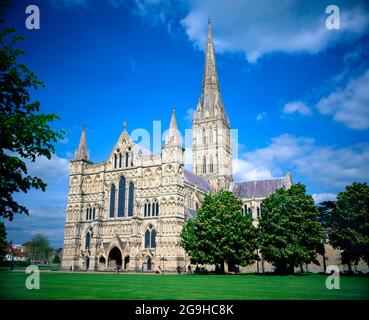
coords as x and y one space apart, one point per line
222 267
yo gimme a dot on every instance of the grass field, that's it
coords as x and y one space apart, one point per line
57 285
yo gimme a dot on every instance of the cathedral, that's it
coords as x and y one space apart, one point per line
129 210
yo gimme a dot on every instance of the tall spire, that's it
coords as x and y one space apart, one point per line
211 134
82 152
210 80
173 136
210 95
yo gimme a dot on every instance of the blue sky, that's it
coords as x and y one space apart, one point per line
296 91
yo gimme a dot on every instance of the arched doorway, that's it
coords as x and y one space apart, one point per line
148 264
101 263
115 258
126 262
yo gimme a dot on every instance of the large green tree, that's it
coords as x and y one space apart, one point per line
220 233
349 221
38 249
3 241
25 132
289 231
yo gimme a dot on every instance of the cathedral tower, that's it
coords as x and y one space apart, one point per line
211 139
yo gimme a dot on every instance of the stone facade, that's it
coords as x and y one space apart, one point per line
130 209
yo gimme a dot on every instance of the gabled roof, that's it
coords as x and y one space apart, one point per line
196 181
257 188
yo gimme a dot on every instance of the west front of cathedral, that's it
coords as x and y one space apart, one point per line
129 210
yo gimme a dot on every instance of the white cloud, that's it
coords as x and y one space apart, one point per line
49 169
328 167
297 107
248 170
349 105
261 116
320 197
264 26
48 220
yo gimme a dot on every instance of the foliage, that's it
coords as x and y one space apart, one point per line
220 233
290 233
38 249
56 259
25 132
325 213
350 223
3 241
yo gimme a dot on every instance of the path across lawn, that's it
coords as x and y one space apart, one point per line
58 285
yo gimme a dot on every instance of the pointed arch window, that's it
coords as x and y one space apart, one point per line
150 237
93 213
245 209
115 161
211 164
112 202
203 165
153 238
157 209
122 197
127 159
120 160
148 209
258 212
88 240
145 209
87 214
147 238
250 211
131 192
153 209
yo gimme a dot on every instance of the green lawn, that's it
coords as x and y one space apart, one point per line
57 285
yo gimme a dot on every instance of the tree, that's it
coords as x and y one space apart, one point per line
56 259
220 233
325 214
25 132
3 241
350 224
38 249
289 231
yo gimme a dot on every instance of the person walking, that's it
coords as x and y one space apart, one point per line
179 269
189 269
